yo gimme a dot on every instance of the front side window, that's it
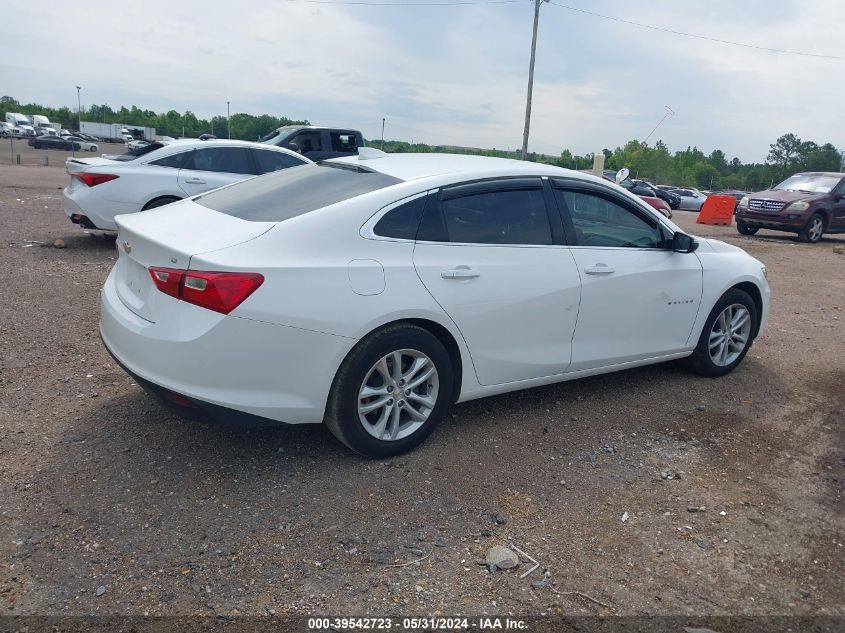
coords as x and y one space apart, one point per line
498 217
268 160
308 142
230 160
599 221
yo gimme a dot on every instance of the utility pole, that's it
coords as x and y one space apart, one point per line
531 79
382 133
79 108
228 121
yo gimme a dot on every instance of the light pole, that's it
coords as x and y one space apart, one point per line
382 133
228 121
669 112
79 108
531 79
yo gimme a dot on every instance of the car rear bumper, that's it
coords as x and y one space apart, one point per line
231 369
100 213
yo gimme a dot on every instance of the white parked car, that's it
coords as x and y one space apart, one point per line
156 175
371 292
87 146
691 199
133 144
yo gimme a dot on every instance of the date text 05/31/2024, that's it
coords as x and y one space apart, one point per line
485 623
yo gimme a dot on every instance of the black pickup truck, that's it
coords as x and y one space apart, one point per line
316 143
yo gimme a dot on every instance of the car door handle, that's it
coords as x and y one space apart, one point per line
194 181
599 269
460 272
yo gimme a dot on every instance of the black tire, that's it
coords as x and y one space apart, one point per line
814 229
342 417
746 229
159 202
700 361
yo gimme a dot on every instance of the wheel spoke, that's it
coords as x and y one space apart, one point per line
415 367
413 384
382 368
740 319
369 407
397 366
393 429
426 401
379 427
369 392
739 338
724 352
413 413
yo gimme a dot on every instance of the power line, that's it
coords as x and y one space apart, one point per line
693 35
397 3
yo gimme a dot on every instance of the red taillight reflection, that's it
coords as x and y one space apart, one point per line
92 180
218 291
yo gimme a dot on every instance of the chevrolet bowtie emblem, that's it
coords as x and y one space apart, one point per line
127 247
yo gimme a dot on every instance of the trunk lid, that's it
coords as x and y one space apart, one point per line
168 237
77 165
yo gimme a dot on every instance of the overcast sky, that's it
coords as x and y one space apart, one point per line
451 75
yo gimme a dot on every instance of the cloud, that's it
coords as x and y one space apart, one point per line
454 75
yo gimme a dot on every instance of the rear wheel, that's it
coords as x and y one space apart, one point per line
727 335
746 229
390 392
159 202
813 230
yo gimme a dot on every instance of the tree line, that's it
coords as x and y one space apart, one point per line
689 167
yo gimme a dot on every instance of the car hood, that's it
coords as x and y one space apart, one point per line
785 195
717 246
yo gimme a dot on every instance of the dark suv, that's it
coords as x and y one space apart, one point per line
810 204
316 143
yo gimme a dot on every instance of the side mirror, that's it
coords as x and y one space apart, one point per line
683 243
622 174
293 146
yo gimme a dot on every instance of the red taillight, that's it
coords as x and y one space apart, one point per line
221 292
168 280
92 180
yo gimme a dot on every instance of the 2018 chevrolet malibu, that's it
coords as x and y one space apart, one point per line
371 292
101 188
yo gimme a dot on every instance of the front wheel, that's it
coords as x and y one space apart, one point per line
391 391
746 229
727 335
813 230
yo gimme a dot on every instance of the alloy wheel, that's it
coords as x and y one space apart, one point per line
398 394
729 335
816 228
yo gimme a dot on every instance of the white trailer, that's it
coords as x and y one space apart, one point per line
117 132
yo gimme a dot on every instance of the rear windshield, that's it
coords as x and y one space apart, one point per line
291 192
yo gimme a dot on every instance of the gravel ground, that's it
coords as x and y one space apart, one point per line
13 150
113 505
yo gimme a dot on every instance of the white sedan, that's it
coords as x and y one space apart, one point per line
156 175
86 146
371 292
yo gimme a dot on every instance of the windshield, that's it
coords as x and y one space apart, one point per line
276 135
808 183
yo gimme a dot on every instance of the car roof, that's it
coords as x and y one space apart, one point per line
420 165
180 145
830 174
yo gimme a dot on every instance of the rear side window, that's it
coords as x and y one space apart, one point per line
174 160
498 217
403 221
230 160
343 142
292 192
268 160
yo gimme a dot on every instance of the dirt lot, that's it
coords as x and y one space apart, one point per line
111 504
13 150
